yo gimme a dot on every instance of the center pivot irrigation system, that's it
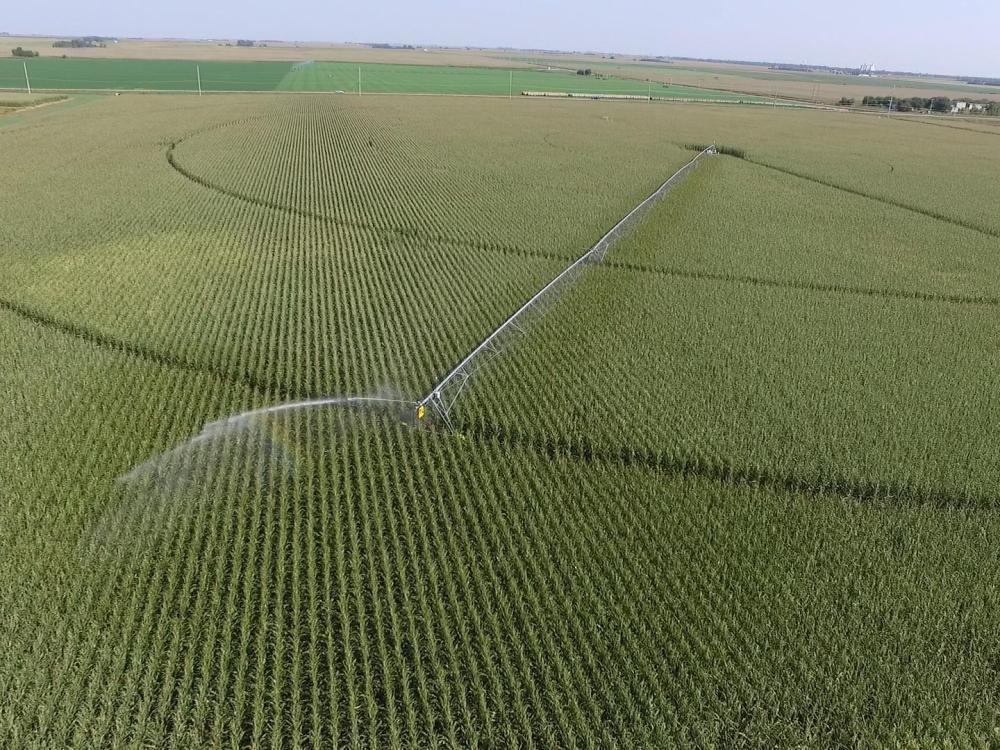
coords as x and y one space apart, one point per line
443 396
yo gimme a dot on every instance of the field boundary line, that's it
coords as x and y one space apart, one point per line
459 375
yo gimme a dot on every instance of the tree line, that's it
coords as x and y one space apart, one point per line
907 104
81 42
918 103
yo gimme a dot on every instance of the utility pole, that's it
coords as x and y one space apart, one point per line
359 80
510 86
26 81
891 97
198 71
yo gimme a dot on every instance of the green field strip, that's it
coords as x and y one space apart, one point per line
27 101
156 75
275 385
950 179
182 76
389 78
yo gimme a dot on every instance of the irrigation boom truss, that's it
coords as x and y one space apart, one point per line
443 396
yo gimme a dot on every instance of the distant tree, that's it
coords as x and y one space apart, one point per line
941 104
905 104
81 42
845 102
21 52
245 42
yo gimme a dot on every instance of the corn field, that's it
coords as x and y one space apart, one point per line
736 488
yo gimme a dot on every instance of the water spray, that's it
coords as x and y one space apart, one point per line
442 397
227 426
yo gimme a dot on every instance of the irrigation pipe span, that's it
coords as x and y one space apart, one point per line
443 396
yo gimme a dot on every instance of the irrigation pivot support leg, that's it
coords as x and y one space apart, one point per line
442 410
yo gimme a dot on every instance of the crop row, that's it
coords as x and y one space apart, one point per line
936 171
281 301
436 179
324 578
319 251
790 384
737 219
319 579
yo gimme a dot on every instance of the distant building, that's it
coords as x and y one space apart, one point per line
966 107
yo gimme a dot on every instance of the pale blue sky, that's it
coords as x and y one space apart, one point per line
958 37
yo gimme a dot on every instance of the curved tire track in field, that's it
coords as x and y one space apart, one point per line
900 294
585 451
270 390
955 221
281 391
149 354
950 127
400 232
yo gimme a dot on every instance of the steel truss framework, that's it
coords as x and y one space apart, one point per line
442 397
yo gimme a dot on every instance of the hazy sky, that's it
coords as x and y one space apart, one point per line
957 36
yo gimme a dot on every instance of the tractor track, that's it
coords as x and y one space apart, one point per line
809 286
727 472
